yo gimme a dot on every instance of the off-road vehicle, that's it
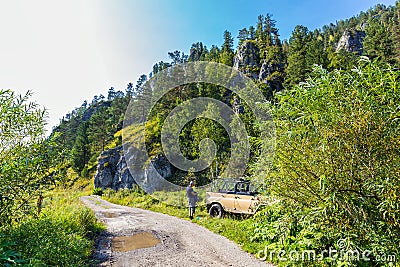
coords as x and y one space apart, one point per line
235 196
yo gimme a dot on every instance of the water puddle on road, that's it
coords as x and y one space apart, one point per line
110 215
132 242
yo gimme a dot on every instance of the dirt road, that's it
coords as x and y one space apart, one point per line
137 237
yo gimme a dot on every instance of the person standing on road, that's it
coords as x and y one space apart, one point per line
192 199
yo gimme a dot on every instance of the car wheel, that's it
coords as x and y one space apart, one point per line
216 211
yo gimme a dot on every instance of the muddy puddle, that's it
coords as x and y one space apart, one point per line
110 215
132 242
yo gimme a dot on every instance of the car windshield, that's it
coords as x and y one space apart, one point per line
228 185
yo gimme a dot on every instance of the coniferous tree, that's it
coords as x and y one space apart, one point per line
378 43
271 54
117 112
296 69
111 94
129 90
243 35
177 57
251 33
316 53
159 67
99 131
214 54
80 153
396 33
139 85
197 52
259 33
227 46
270 30
226 56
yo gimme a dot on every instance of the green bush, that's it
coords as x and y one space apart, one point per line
47 242
62 236
8 255
337 163
98 191
29 162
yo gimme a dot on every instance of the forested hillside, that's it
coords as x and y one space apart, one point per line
274 64
334 96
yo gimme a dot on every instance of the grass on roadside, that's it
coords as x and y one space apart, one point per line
62 235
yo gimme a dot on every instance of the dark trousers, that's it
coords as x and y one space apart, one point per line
191 212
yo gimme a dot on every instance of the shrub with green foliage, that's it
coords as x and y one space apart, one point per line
29 162
8 255
337 160
63 236
98 191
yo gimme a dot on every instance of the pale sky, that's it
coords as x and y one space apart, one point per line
68 51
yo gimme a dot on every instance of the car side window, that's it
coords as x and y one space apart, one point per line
242 188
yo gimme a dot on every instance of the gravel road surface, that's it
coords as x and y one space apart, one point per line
137 237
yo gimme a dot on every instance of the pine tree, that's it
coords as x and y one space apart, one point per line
378 43
80 153
214 54
296 69
129 90
198 52
316 53
177 57
251 33
243 35
117 112
271 54
99 130
396 32
139 85
259 33
159 67
111 94
226 56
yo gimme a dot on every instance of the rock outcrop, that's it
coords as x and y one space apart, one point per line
351 41
113 172
247 59
267 70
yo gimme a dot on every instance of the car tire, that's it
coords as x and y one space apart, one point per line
216 211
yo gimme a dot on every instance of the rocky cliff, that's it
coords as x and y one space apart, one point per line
247 59
113 172
351 41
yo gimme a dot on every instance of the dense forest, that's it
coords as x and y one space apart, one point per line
334 96
88 129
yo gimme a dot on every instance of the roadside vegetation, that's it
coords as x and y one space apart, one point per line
335 171
42 222
62 235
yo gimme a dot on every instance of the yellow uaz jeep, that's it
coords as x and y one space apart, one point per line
235 196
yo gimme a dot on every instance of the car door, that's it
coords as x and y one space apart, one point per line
228 196
243 200
227 201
